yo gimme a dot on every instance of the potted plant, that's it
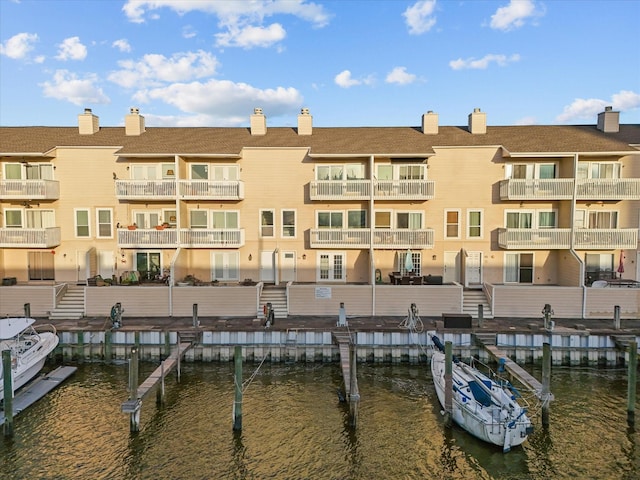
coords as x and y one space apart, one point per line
132 227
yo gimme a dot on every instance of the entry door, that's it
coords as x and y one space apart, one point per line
473 268
106 263
451 267
148 264
82 264
288 266
41 266
267 270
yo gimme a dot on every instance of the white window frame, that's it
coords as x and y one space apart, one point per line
331 270
530 212
199 164
409 213
360 211
230 267
331 212
203 226
470 226
446 223
147 217
229 172
170 216
76 225
227 215
22 218
144 171
375 219
614 216
588 166
519 268
417 263
532 170
98 211
284 225
262 226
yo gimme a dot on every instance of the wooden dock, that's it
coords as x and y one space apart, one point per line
38 388
343 340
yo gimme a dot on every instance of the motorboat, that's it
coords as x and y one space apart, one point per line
30 346
486 407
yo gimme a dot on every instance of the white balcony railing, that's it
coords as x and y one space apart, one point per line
147 238
29 237
212 238
382 189
536 189
30 189
145 189
534 238
608 189
211 189
359 238
605 238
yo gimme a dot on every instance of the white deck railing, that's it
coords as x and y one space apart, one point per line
382 189
606 238
30 237
211 189
212 238
145 189
609 189
536 188
147 238
30 189
358 238
560 238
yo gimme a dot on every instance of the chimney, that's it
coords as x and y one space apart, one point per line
88 123
609 121
258 122
134 122
477 122
430 123
305 122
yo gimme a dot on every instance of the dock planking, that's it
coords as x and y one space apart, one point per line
38 388
167 365
343 340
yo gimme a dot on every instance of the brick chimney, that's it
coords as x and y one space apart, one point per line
430 123
134 123
305 122
609 121
477 122
88 123
258 122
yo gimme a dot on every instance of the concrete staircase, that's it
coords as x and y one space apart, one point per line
278 298
470 301
71 306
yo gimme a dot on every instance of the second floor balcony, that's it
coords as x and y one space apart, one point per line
383 238
211 189
29 189
30 237
605 238
147 238
145 189
560 238
185 237
608 189
562 189
382 189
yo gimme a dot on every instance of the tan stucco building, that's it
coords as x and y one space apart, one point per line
325 212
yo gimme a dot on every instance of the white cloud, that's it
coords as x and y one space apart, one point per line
71 49
400 76
582 108
122 45
530 120
188 32
484 62
155 69
514 14
419 17
250 36
79 91
222 100
345 80
19 46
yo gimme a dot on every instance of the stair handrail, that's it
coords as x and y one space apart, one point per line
259 287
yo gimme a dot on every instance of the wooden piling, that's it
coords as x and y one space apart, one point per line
354 394
616 317
237 404
480 315
108 344
7 383
195 315
27 310
179 360
631 383
160 390
167 343
134 418
546 382
80 346
448 383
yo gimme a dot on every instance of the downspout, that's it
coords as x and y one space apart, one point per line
372 219
572 234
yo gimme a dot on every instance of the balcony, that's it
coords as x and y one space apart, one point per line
536 189
212 238
382 189
147 238
359 238
534 238
211 189
605 238
29 189
608 189
29 237
145 189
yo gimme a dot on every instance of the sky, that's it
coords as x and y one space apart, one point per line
351 63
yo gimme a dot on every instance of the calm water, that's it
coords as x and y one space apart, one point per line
295 428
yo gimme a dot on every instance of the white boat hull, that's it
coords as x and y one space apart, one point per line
497 418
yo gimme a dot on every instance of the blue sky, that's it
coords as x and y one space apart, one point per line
352 63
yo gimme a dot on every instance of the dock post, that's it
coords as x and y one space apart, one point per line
108 344
546 382
134 419
237 404
179 358
7 383
480 315
354 394
160 390
448 383
27 310
167 343
195 314
616 317
136 339
631 383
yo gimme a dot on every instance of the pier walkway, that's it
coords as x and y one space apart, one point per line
344 342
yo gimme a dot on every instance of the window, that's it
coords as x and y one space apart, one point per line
415 262
224 219
474 223
355 171
267 223
383 219
144 172
518 268
385 172
411 172
547 170
224 172
452 223
598 266
146 218
28 171
331 267
528 171
105 227
546 219
225 266
409 220
82 223
330 219
13 218
356 219
40 218
198 219
199 171
519 220
598 170
288 223
329 172
168 171
603 219
170 217
148 264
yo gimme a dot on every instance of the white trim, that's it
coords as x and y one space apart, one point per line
274 225
295 223
446 223
98 210
75 222
468 223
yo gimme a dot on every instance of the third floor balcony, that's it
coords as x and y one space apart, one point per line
211 189
562 189
30 237
145 189
383 238
29 189
382 189
560 238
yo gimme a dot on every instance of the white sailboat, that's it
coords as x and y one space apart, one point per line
483 406
29 348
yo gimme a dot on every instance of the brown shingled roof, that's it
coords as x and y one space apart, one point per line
324 141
